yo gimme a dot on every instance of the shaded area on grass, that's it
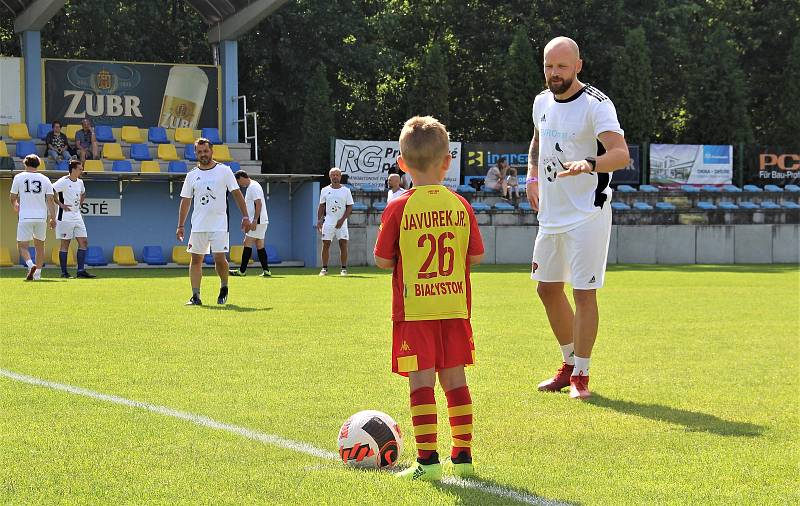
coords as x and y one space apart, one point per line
693 421
233 307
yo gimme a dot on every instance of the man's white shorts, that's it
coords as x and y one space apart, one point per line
70 229
577 257
330 232
259 233
29 230
201 243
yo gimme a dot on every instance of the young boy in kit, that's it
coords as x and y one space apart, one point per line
430 238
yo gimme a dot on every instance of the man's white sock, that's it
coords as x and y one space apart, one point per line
581 366
568 350
29 263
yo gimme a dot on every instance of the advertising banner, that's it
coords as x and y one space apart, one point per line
10 90
677 164
131 94
772 165
632 173
479 157
367 162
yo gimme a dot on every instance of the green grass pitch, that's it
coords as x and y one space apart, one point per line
695 381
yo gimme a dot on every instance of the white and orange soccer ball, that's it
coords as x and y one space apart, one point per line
370 439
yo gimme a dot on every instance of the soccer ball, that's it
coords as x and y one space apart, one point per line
370 439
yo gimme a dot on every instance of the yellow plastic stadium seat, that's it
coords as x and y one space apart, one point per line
71 260
236 254
93 166
112 151
167 152
150 166
123 255
221 153
184 135
3 149
180 256
19 132
71 130
132 135
5 258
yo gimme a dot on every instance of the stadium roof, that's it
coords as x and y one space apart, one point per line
229 19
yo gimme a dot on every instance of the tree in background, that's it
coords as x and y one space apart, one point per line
521 81
717 100
430 94
317 125
631 88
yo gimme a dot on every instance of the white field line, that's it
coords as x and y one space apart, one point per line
269 439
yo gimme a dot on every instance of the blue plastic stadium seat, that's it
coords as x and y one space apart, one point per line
465 188
95 256
140 152
153 255
211 134
25 148
189 153
208 259
157 135
360 206
792 188
235 167
642 206
711 188
525 206
63 165
503 206
768 204
272 254
706 206
620 206
791 205
689 188
626 188
121 166
773 188
746 204
176 166
728 206
42 130
731 188
751 188
104 133
648 188
480 206
665 206
379 206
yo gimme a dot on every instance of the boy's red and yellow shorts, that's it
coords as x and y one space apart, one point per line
426 344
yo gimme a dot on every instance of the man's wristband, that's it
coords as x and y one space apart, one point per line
180 226
532 180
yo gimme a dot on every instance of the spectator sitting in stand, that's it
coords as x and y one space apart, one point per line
57 143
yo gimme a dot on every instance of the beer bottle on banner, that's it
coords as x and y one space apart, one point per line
183 97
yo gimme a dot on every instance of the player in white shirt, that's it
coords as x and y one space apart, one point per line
335 206
257 212
70 193
208 184
395 190
577 143
32 199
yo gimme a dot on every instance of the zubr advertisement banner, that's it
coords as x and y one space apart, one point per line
367 162
131 94
677 164
10 90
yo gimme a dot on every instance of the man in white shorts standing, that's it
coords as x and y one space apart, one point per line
257 212
577 143
32 199
71 192
208 184
335 206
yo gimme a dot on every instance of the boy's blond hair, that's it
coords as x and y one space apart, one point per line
424 142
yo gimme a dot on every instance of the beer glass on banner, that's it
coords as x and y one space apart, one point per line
183 97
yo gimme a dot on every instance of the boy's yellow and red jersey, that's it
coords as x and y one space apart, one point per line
430 231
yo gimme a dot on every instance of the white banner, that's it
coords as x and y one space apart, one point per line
101 207
676 164
367 162
10 90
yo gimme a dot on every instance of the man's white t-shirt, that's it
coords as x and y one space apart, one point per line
336 201
32 188
209 188
393 194
255 192
568 131
69 192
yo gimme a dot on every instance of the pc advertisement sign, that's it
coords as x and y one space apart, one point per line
367 162
772 165
676 164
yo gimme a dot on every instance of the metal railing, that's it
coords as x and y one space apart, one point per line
243 119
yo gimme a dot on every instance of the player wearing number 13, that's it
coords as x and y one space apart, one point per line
430 237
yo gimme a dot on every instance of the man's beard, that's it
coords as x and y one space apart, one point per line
205 160
559 88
